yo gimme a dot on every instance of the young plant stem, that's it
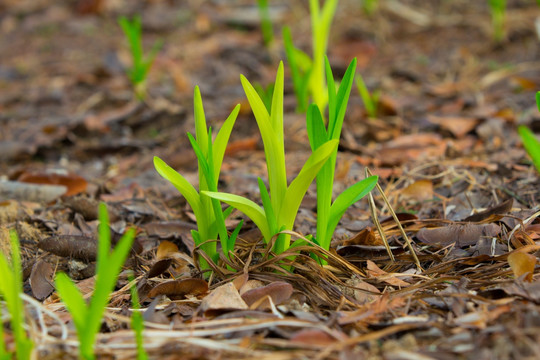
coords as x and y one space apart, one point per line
88 318
11 288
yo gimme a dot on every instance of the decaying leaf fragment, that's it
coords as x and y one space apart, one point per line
460 235
41 280
522 264
223 298
179 289
278 291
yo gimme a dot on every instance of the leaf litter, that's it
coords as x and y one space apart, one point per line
445 147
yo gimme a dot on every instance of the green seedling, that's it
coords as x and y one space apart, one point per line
530 142
308 72
497 9
369 6
266 22
329 213
140 64
11 288
88 317
280 204
371 100
137 322
208 212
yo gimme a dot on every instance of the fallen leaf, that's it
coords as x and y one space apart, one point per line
241 145
75 184
373 271
41 280
420 191
159 267
314 337
457 126
521 264
240 281
223 298
179 289
499 209
165 249
278 291
461 235
363 297
365 237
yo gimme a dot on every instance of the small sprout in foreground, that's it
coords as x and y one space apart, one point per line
88 317
11 288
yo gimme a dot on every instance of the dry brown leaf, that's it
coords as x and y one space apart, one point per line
75 184
363 297
499 209
159 267
41 280
249 285
223 298
521 264
240 281
241 145
364 237
461 235
374 271
278 291
457 126
165 249
179 289
421 190
314 337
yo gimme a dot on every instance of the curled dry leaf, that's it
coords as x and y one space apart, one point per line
461 235
179 289
278 291
364 237
159 267
521 264
165 249
72 246
167 255
499 209
376 272
315 337
75 184
223 298
41 280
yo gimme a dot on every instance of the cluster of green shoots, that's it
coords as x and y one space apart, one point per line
141 64
208 211
280 200
530 142
308 72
